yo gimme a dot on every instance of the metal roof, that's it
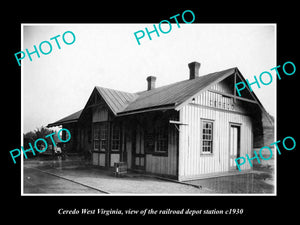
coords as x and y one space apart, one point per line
68 119
116 100
169 96
175 94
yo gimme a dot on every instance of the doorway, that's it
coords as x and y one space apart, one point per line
234 145
138 162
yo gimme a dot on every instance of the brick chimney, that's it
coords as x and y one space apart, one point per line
194 69
151 82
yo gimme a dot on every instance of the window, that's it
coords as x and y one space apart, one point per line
96 136
149 140
115 137
207 137
100 136
103 136
162 138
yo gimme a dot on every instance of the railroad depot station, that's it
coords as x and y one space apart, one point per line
186 130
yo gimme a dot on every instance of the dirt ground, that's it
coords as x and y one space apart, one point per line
97 179
78 176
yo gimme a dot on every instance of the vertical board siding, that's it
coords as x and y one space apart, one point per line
114 158
95 159
98 159
191 161
217 100
100 114
102 159
166 165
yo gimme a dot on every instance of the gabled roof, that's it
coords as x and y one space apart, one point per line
68 119
116 100
170 96
176 93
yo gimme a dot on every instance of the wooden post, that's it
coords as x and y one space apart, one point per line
234 91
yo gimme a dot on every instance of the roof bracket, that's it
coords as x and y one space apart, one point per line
177 123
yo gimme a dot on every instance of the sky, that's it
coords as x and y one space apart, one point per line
107 55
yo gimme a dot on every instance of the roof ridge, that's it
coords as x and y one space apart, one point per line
116 100
154 91
187 86
174 93
185 80
114 90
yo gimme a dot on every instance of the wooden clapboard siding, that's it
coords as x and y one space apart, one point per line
192 163
165 165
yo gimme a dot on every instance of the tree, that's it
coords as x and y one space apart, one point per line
32 136
42 132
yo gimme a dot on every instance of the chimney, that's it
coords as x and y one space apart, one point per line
194 69
151 82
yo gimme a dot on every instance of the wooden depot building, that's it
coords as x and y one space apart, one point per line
186 130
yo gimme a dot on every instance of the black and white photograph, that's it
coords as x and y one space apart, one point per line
165 114
162 112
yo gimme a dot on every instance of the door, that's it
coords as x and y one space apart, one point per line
138 149
115 146
100 143
234 145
